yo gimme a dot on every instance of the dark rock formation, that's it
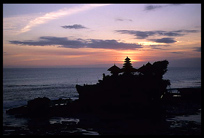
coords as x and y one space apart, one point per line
39 107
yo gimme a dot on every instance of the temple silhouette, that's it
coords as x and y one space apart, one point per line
127 89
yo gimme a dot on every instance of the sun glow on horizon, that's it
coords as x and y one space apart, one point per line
132 59
96 35
134 56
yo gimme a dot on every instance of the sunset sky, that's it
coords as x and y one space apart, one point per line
99 35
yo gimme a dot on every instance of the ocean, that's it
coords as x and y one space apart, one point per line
23 84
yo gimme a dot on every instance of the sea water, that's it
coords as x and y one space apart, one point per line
183 77
23 84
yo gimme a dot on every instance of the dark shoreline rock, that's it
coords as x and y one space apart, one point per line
41 107
108 124
67 107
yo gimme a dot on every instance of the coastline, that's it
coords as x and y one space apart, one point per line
187 107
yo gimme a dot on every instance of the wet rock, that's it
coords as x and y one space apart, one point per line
39 107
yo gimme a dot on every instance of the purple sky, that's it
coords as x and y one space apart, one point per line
99 35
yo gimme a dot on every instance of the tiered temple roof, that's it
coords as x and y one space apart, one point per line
127 68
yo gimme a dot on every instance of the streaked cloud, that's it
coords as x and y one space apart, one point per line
112 44
177 52
163 40
152 7
121 19
155 6
159 46
78 43
58 14
75 26
84 34
12 25
197 49
138 34
146 34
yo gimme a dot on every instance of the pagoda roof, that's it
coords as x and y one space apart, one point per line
114 68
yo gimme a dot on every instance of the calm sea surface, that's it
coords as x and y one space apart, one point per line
21 85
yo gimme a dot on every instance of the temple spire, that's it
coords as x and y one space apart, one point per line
127 66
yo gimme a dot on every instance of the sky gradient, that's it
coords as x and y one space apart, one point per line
99 35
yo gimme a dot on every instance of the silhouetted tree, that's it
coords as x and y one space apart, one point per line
160 68
157 69
146 69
